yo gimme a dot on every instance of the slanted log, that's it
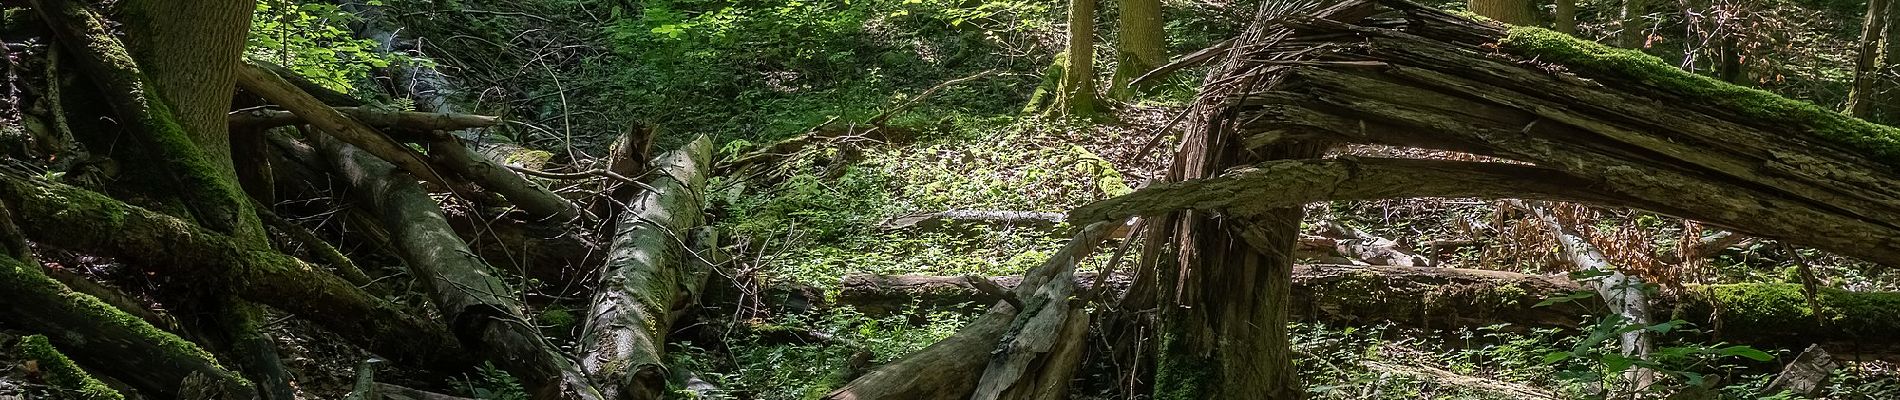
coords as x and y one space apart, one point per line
484 312
946 370
648 277
166 247
1040 352
268 85
406 120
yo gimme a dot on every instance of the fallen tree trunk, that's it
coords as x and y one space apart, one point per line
947 370
268 85
482 311
647 278
1456 298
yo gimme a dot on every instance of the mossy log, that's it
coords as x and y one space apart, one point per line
649 277
1616 121
1456 298
948 369
541 204
71 218
483 312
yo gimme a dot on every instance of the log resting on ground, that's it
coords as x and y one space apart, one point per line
946 370
483 312
1456 298
167 247
649 277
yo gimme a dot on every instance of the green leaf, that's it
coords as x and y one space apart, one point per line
1574 296
1745 351
1556 356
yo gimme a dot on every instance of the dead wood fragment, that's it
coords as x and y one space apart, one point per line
1807 375
945 370
272 87
1042 221
541 204
483 311
647 282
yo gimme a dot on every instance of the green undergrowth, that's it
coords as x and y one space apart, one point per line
1878 141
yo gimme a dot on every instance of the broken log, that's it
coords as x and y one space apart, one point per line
484 312
406 120
1040 221
647 278
1456 298
268 85
946 370
541 204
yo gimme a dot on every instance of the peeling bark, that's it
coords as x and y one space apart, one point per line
648 281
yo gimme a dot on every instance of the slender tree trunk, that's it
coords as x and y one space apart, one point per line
1514 12
1872 60
1075 96
1566 17
1635 24
1141 45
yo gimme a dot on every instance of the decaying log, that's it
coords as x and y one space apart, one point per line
1807 375
1361 245
541 204
407 120
946 370
268 85
1456 298
647 280
77 219
879 295
1038 355
482 311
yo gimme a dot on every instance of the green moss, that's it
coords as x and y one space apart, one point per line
1182 375
1877 141
1769 310
59 371
25 284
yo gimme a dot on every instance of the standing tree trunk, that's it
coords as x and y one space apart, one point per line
190 52
1566 20
1075 96
1873 58
1141 46
1514 12
1635 26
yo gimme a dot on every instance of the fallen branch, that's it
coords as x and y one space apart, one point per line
483 311
271 87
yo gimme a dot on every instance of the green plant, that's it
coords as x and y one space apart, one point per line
313 39
1595 360
490 383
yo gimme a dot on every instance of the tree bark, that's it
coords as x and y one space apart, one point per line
946 370
482 311
1140 46
1871 59
1075 95
1514 12
648 281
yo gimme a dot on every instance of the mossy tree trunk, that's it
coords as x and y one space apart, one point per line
173 86
1514 12
1140 46
1872 57
1075 94
1634 24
